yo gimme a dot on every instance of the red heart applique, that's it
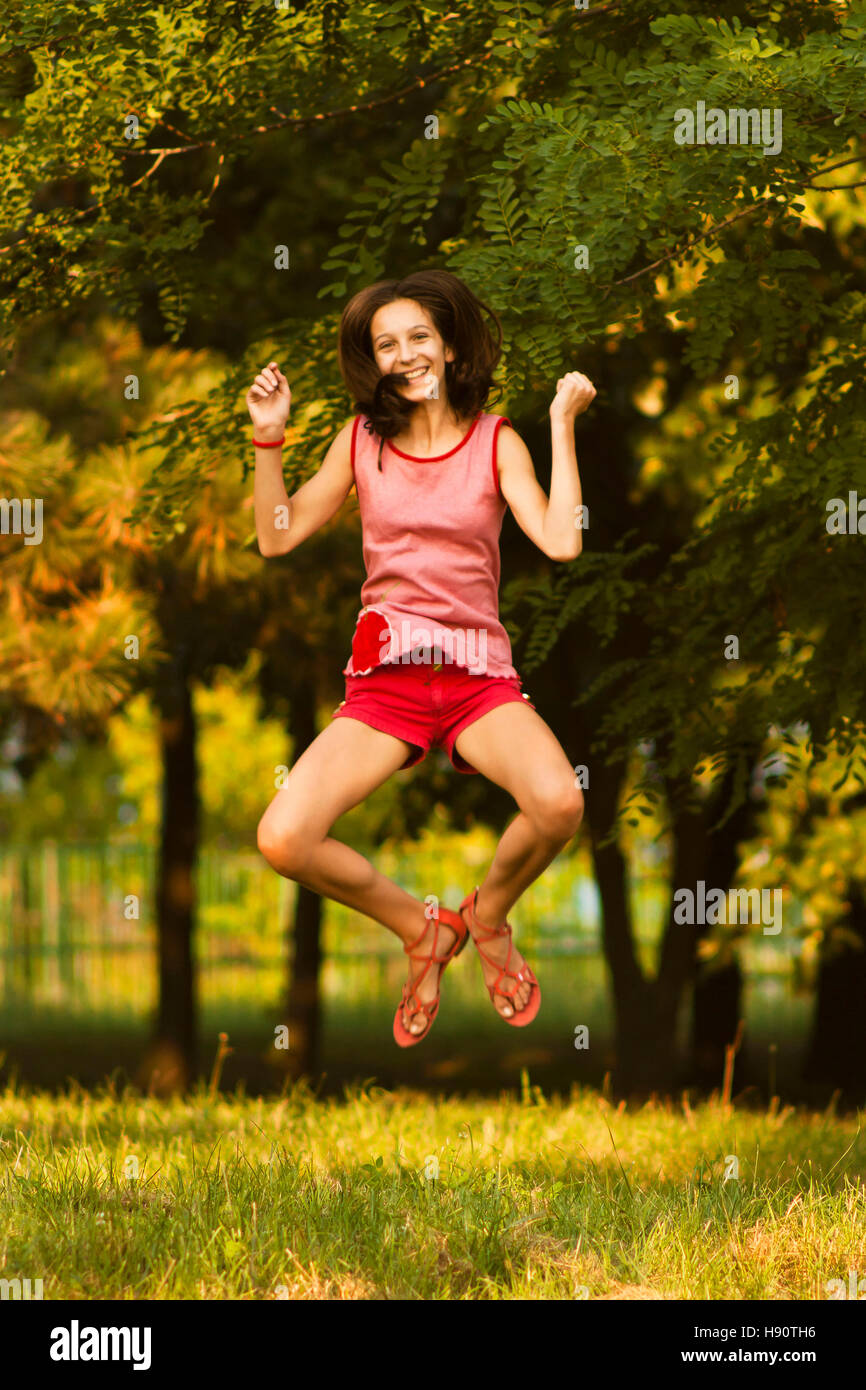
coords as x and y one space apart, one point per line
371 642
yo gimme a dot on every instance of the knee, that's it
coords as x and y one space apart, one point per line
558 811
283 843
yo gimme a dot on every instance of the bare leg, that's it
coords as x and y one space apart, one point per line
346 762
513 747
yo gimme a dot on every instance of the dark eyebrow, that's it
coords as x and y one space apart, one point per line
425 326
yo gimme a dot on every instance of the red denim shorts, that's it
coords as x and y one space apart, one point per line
426 706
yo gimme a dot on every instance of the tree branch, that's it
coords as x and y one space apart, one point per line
82 212
735 217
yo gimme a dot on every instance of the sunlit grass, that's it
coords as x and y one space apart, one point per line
119 1196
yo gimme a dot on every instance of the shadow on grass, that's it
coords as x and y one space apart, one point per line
469 1051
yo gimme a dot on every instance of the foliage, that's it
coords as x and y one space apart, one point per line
710 259
720 313
811 844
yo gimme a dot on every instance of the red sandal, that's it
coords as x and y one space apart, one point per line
402 1036
519 1018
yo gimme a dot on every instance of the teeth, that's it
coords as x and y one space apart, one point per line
417 372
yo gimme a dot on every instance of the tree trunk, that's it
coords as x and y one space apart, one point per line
717 995
704 853
645 1024
647 1011
837 1047
172 1061
304 1003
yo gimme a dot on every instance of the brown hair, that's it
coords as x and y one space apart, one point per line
459 318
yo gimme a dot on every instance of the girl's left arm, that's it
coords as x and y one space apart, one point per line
551 524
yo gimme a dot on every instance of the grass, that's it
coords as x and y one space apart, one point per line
115 1195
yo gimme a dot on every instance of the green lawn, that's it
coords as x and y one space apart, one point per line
307 1198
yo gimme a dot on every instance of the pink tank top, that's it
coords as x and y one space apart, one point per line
431 549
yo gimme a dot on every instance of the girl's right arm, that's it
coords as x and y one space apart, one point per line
282 522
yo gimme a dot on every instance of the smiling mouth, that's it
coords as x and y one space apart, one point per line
415 374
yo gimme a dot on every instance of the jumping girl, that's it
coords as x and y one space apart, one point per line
431 662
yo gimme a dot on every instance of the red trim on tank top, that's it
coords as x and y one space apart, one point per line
503 420
354 435
435 458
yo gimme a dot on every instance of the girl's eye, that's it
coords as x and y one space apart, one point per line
383 347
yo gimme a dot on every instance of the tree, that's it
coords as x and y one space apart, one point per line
714 263
716 286
98 610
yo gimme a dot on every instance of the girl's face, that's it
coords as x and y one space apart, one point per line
407 345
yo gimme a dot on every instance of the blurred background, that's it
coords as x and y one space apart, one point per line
190 193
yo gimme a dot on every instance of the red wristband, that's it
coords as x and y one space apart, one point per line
272 444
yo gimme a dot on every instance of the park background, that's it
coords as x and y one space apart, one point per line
191 191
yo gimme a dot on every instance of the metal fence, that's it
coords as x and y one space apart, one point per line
77 924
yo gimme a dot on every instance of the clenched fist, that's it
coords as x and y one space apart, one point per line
574 394
268 401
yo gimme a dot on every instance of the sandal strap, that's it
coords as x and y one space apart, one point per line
423 932
431 955
488 934
503 971
410 987
418 1006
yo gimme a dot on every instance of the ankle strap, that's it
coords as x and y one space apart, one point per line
503 930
